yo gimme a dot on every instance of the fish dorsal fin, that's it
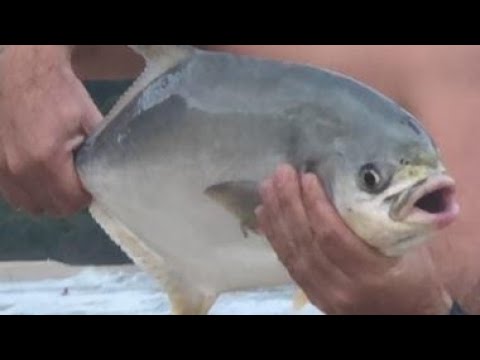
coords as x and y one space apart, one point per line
162 53
158 60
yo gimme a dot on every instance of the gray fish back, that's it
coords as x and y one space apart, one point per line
218 83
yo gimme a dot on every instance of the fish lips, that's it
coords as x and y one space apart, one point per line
430 202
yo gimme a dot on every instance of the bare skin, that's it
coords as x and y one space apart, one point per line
441 85
46 113
339 273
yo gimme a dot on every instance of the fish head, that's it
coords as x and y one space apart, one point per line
395 208
390 186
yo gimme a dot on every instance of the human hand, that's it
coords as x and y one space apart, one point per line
340 273
45 113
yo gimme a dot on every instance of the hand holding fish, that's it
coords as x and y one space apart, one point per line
339 272
175 167
45 114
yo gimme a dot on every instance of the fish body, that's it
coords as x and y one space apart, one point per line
175 167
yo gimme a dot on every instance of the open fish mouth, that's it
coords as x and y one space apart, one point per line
429 202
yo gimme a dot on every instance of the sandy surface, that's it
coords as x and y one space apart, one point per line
42 270
52 288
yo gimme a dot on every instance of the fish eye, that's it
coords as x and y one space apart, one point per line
370 179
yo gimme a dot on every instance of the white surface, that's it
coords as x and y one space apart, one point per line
95 291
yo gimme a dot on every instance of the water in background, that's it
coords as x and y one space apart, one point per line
98 292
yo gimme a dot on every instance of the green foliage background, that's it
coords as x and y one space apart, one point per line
77 240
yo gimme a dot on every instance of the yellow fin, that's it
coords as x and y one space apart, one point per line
300 300
185 298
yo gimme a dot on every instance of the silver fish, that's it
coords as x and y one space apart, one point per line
174 169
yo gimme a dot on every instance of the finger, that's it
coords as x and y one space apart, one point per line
302 256
318 205
312 271
339 243
291 208
34 183
262 227
308 279
66 191
74 143
12 192
91 116
278 231
272 220
18 199
335 236
91 120
54 184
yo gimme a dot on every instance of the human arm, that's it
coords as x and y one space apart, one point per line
45 113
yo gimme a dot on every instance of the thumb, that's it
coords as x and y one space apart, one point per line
91 118
91 115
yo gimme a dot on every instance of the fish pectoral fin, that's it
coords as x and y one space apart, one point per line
240 198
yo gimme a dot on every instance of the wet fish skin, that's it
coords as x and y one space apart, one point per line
207 120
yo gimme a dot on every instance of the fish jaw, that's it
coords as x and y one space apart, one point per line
430 203
401 218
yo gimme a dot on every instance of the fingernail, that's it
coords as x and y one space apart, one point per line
285 171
